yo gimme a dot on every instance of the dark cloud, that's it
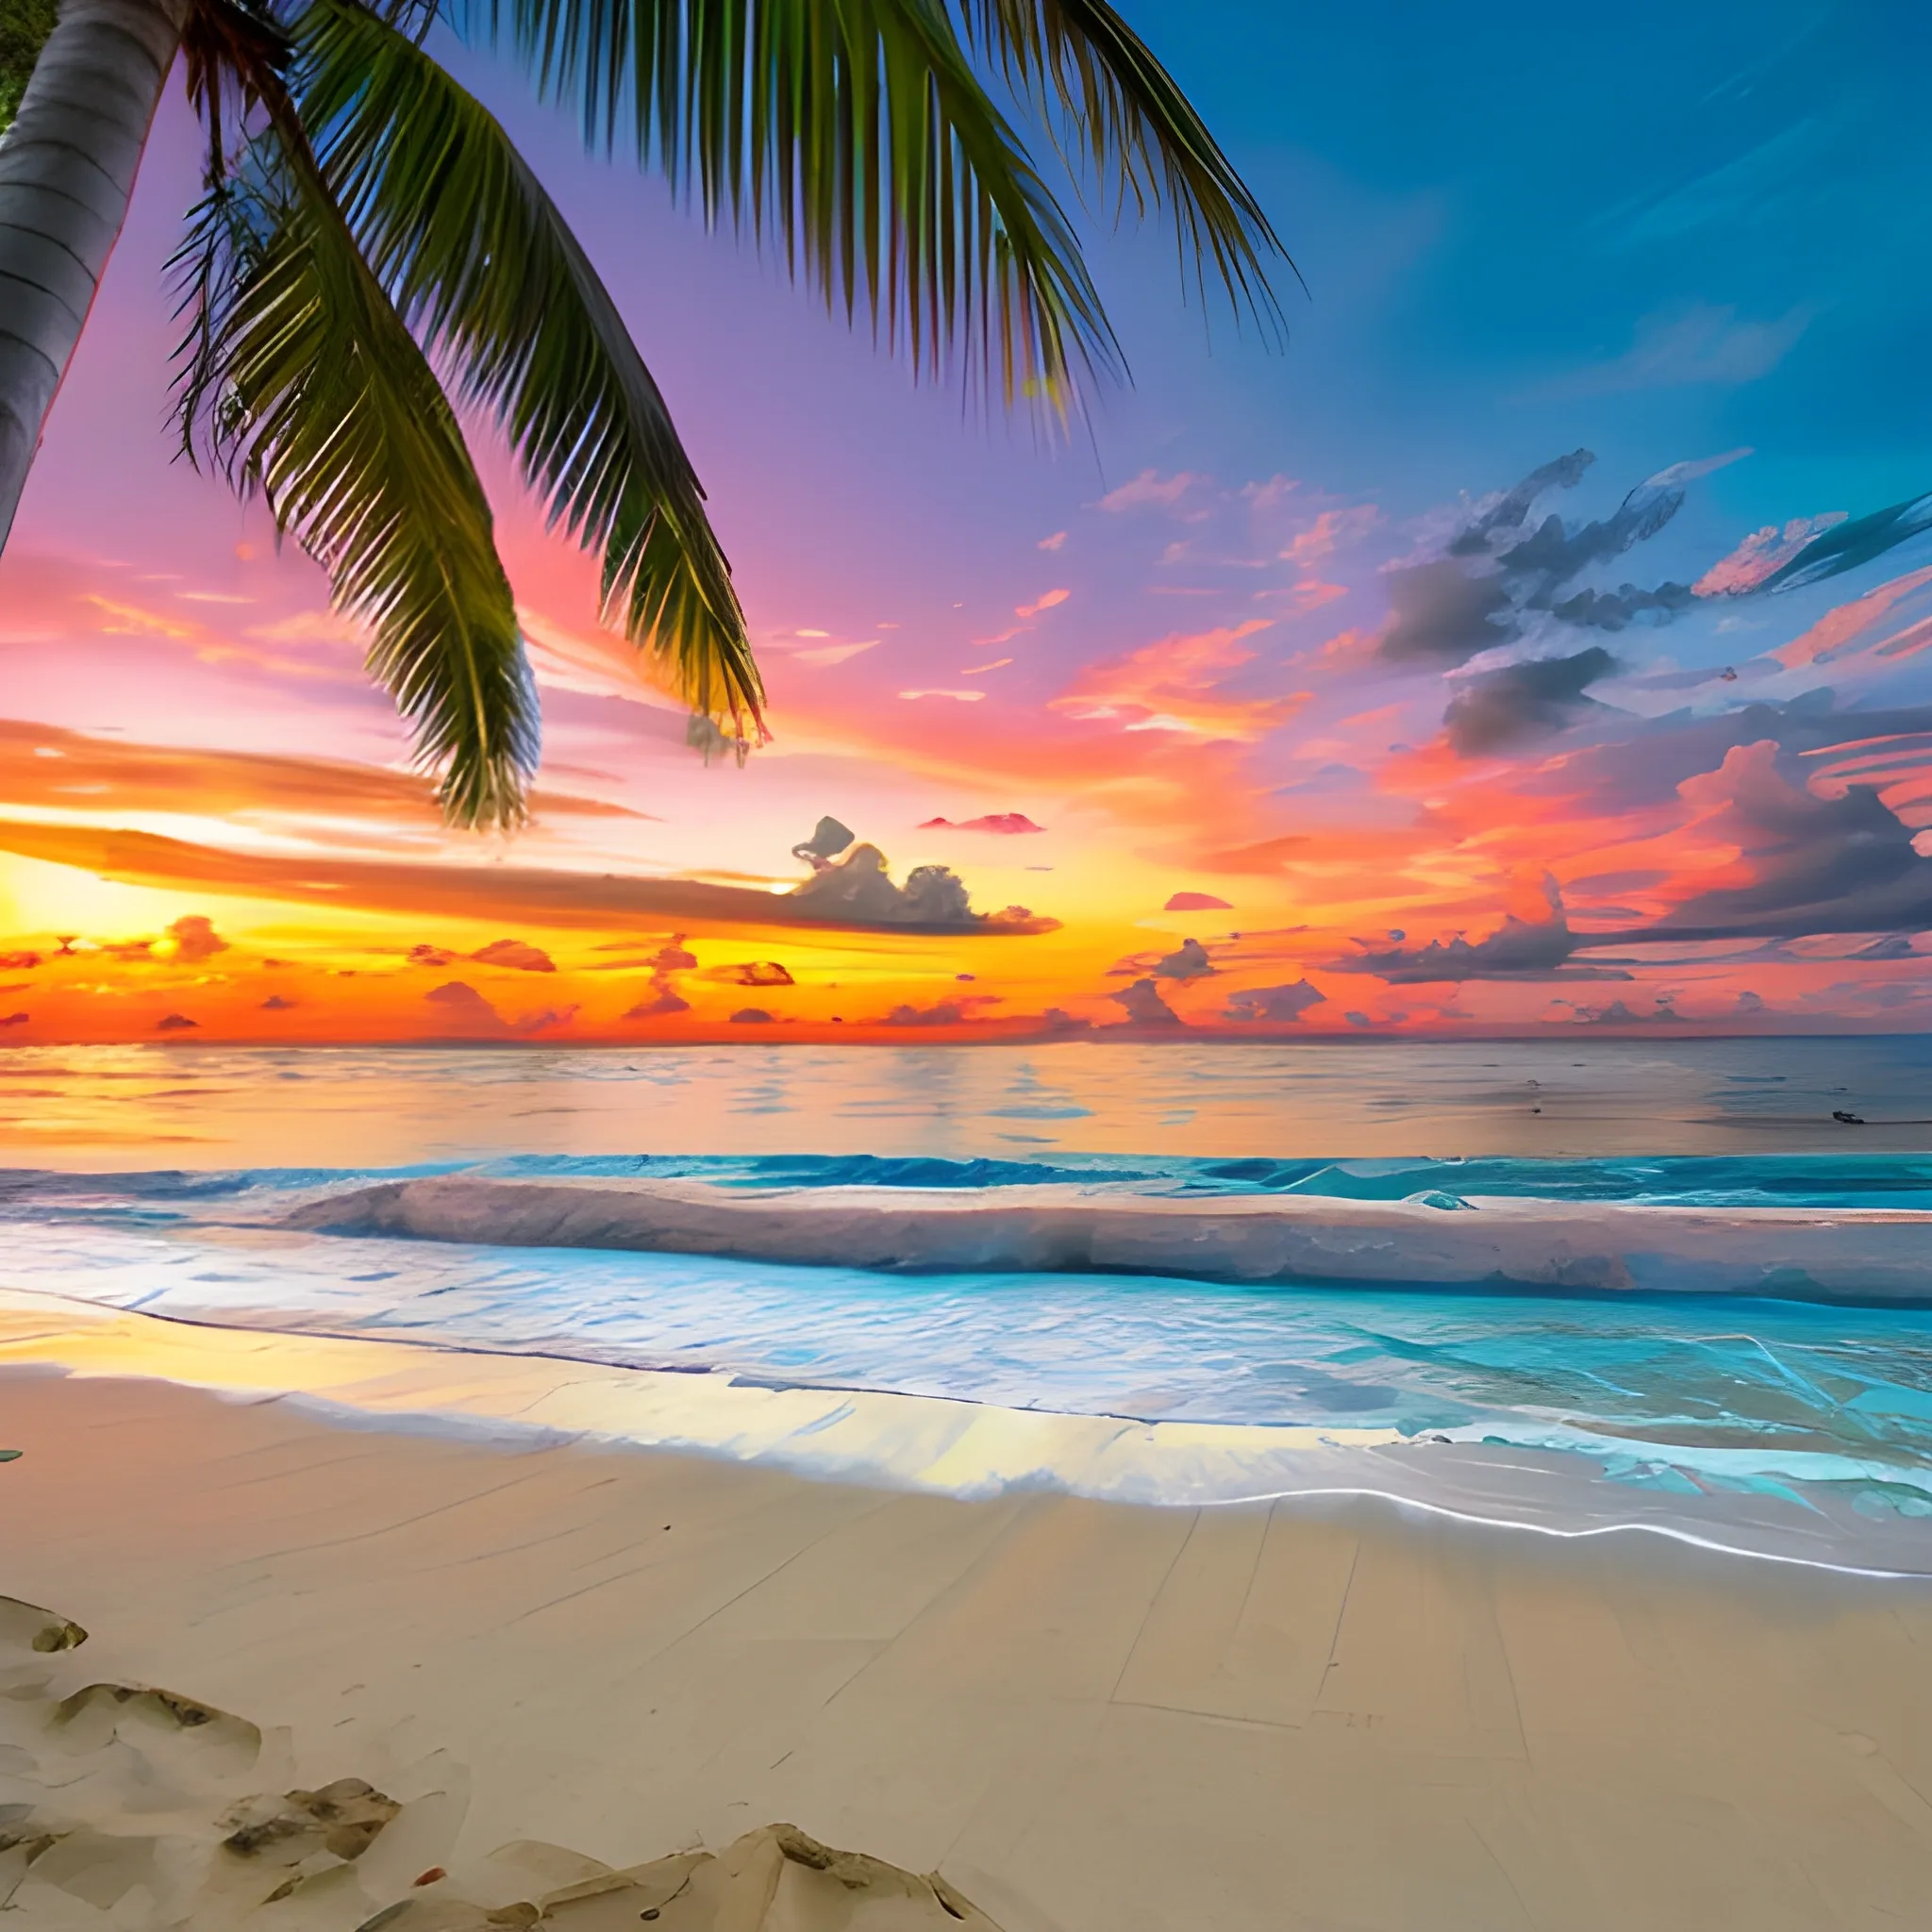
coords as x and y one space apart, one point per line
1618 1014
1521 950
1882 996
464 1009
175 1023
1274 1003
670 959
1500 573
469 1015
1616 610
857 890
759 973
1553 556
824 844
515 953
1145 1007
1057 1020
276 1003
426 955
542 897
1527 949
1648 764
1188 960
664 1003
752 1016
943 1013
1527 700
1507 513
1440 614
1893 945
15 1019
1848 546
1820 865
195 939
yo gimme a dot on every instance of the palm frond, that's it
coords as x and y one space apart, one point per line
479 262
298 378
1118 111
856 135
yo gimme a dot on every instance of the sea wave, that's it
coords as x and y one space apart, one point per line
1767 1180
1686 1360
1433 1240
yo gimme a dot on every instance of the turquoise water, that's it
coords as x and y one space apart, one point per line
1707 1398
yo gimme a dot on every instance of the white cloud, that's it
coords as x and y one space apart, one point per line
1675 349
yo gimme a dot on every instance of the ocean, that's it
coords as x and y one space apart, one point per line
156 1179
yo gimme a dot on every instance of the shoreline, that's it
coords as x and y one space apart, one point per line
1088 1717
1558 1490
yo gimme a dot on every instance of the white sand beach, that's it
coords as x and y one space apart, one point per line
1081 1715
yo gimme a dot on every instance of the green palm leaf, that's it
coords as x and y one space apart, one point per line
1092 75
478 262
856 134
299 379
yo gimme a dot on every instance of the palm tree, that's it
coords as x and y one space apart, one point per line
372 257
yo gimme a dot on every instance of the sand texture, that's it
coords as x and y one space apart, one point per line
1813 1254
135 1807
1084 1717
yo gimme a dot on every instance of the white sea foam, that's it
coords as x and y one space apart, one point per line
1798 1252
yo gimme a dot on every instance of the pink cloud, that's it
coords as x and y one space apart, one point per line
1196 902
1047 601
1175 686
1266 495
1310 594
1760 553
831 654
1329 532
1009 823
1348 650
1151 487
1843 622
519 954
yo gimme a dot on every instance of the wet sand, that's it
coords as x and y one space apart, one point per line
1084 1715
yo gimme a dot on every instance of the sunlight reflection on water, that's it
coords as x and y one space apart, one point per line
358 1106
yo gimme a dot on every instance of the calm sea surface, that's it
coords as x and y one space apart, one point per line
122 1107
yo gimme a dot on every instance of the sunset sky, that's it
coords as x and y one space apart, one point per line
1540 638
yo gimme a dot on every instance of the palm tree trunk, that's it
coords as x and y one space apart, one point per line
67 168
